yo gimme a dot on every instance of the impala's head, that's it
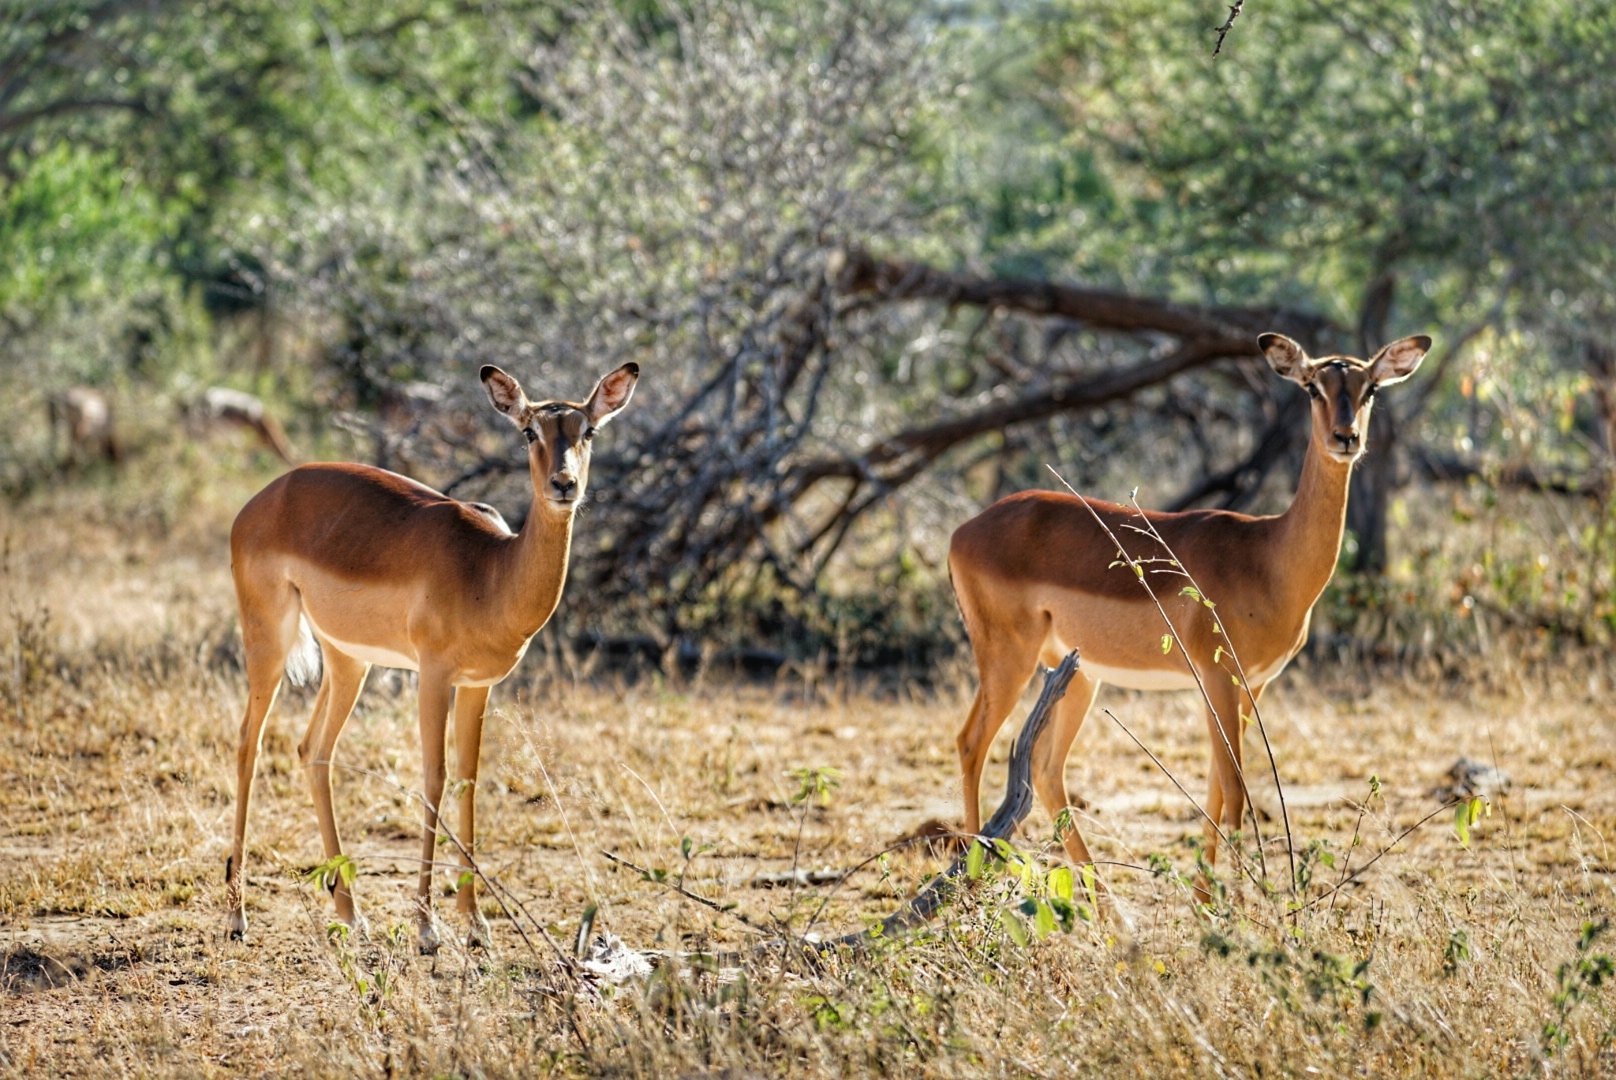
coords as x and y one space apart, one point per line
559 433
1343 387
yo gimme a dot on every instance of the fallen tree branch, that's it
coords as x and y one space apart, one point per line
856 271
1002 825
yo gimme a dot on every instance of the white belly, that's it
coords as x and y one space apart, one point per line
1132 679
1178 678
369 654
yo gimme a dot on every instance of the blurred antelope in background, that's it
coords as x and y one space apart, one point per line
81 424
1039 573
220 406
370 567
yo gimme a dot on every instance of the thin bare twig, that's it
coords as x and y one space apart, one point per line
1223 31
1238 855
1139 573
1404 835
1245 684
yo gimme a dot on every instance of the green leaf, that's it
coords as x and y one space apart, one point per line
466 878
1465 816
338 868
1013 927
1043 920
1060 882
1063 823
1190 591
975 857
1167 644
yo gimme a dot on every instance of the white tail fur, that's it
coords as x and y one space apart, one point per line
303 662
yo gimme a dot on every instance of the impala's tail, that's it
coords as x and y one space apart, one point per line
303 662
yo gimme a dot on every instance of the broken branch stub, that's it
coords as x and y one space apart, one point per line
1002 825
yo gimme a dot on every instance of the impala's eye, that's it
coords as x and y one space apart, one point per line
1370 392
532 436
1314 392
589 433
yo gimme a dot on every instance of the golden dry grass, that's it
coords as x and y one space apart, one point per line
121 698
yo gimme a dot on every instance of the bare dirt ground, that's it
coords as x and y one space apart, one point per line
120 702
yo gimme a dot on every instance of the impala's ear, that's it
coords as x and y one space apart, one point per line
1399 360
1288 359
505 393
611 394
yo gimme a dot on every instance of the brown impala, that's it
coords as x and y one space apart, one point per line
381 570
1037 575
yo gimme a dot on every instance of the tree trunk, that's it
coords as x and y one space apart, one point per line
1376 472
1370 494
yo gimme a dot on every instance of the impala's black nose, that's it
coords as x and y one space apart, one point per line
563 486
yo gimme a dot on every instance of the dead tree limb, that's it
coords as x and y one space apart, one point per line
855 271
1002 825
1240 482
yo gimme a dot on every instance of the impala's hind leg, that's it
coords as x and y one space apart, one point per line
1230 708
1049 777
1049 759
339 689
1004 664
269 623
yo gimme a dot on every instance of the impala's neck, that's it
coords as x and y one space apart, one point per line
1311 529
538 565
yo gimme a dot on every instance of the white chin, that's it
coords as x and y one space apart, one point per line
1344 458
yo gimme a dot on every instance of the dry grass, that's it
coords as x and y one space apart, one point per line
116 778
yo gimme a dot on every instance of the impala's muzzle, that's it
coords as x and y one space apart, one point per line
1346 433
564 488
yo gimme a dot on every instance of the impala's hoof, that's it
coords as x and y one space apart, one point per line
235 926
479 936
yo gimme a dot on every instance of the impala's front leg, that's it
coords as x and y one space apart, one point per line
470 702
435 693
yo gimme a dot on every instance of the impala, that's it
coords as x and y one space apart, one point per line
378 569
1039 573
